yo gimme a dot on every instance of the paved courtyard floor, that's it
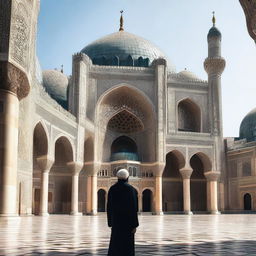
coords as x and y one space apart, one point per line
157 235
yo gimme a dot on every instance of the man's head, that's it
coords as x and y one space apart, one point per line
122 174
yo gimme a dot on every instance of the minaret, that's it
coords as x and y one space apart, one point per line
214 65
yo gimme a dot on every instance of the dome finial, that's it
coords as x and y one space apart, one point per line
213 19
62 68
121 21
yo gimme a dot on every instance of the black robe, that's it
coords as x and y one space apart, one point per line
122 208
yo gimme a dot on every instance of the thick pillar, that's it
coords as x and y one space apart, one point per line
75 170
9 116
186 173
212 191
45 164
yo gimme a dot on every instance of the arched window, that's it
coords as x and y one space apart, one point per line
188 116
134 174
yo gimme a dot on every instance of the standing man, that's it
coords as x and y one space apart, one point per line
122 208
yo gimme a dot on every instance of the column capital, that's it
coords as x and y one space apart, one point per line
159 169
14 80
186 172
212 175
75 167
45 163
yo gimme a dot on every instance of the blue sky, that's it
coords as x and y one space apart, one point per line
178 28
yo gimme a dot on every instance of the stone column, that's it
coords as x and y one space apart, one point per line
94 195
186 173
45 164
75 169
9 117
158 188
88 195
140 203
92 199
158 195
212 191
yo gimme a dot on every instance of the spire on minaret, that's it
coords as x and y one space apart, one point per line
121 21
213 19
62 69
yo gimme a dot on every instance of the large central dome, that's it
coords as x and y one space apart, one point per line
122 49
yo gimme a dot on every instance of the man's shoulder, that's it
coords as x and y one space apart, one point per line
131 187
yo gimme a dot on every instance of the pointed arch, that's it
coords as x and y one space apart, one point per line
40 140
189 116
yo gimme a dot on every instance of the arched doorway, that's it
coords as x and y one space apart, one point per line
247 202
189 117
147 200
60 179
200 163
40 148
101 200
172 196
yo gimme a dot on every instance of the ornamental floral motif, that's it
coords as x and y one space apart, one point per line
20 35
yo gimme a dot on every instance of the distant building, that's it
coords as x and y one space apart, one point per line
124 106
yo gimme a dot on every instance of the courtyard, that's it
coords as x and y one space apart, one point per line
157 235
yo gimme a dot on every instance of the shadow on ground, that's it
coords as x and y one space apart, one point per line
236 247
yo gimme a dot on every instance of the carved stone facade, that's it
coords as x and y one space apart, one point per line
115 117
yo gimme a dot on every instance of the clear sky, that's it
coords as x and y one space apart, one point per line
179 28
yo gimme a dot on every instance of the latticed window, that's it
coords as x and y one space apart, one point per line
125 122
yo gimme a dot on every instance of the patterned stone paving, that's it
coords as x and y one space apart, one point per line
157 235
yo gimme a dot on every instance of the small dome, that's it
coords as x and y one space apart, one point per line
122 49
213 32
187 76
56 84
248 127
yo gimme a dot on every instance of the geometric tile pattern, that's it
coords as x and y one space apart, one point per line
157 235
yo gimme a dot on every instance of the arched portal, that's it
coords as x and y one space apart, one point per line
126 111
101 200
147 200
124 148
40 148
247 202
200 163
189 116
172 182
60 180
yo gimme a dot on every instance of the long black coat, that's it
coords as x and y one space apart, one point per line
122 208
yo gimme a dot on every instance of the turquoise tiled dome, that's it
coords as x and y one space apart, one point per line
122 49
248 126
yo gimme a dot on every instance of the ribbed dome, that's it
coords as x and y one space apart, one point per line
56 84
213 32
248 126
122 49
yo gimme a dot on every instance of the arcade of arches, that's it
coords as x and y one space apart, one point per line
61 186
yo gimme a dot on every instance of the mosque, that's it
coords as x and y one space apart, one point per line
63 138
